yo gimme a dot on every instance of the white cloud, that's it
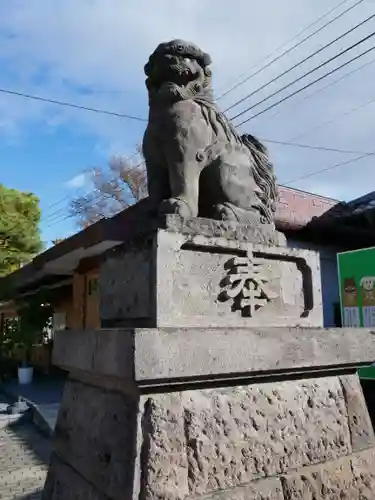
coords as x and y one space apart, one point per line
103 45
78 181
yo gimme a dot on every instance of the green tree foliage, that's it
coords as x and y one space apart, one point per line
34 318
19 229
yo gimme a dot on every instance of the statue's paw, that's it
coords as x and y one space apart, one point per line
175 206
223 212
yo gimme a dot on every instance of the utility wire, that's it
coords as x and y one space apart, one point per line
313 70
317 148
68 198
257 72
333 120
332 167
306 86
99 196
71 105
95 200
325 87
311 174
69 216
299 63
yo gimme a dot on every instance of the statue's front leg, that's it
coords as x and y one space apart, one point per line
184 184
185 134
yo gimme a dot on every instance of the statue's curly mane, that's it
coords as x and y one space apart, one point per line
262 166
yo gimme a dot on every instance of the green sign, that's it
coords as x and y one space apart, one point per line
356 271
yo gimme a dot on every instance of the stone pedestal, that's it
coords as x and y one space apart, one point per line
220 384
200 276
271 413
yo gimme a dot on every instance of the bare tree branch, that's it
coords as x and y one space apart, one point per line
111 190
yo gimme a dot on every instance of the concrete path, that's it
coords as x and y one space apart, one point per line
24 458
43 395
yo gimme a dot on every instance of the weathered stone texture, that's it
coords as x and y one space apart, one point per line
63 483
264 489
166 354
164 465
178 280
264 234
125 284
350 478
360 426
96 435
363 469
210 353
192 274
236 435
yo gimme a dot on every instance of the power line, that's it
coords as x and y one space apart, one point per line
59 221
95 200
99 196
68 198
255 73
306 86
333 120
54 216
332 167
71 105
316 68
330 84
302 61
318 148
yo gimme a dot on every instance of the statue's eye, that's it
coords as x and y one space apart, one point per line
180 48
187 59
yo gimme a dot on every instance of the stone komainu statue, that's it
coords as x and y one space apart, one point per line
197 164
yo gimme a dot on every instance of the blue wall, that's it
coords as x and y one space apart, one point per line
328 270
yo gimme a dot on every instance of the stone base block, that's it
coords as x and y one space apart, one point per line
65 483
187 414
169 356
248 442
351 478
202 278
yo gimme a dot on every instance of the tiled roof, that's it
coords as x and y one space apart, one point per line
361 205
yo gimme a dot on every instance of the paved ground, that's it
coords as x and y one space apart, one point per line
24 458
44 394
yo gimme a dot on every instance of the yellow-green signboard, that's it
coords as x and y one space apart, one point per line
356 271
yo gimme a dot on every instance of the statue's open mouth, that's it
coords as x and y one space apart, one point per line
181 75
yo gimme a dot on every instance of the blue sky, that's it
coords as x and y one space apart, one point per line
92 53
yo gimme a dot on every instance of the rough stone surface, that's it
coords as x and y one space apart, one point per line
230 230
96 435
126 285
264 489
182 280
63 483
350 478
360 426
164 461
209 353
73 348
363 469
101 352
234 436
149 356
